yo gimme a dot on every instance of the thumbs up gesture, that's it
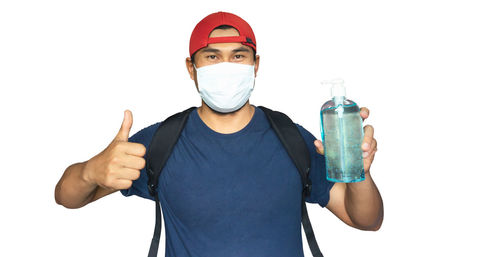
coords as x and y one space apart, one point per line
120 163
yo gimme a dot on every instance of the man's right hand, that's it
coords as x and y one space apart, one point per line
120 163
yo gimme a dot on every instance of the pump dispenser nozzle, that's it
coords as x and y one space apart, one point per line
337 90
337 87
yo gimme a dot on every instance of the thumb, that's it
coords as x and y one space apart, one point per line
125 128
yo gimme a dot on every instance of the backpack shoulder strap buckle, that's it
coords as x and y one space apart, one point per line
307 186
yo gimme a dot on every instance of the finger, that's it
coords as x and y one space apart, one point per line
367 140
136 149
370 153
122 184
125 128
128 174
133 162
364 112
319 147
374 145
368 159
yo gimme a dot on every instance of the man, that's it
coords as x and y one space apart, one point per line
229 188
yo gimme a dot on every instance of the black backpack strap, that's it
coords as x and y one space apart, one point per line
296 147
159 150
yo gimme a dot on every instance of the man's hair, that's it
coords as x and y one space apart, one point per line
225 27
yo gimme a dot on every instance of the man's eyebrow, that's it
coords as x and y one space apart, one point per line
241 49
210 50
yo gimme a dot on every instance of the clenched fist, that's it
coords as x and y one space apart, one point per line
120 163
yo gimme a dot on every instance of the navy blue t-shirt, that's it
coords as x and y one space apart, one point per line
236 194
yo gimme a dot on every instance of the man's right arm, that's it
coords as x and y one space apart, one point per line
111 170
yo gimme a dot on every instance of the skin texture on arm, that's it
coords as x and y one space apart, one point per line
359 204
361 208
111 170
73 191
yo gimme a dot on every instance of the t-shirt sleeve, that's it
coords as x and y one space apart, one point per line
140 186
320 192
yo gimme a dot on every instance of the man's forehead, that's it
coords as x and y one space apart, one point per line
220 47
227 32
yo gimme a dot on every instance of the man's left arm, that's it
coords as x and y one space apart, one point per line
359 204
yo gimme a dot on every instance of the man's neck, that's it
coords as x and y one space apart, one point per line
226 123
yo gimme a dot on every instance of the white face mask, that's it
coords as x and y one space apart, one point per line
225 87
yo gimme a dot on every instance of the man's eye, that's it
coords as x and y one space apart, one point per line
211 57
238 56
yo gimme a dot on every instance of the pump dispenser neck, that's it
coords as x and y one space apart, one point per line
338 100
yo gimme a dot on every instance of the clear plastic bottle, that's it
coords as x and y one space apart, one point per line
342 135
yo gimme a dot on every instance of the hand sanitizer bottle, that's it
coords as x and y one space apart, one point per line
342 135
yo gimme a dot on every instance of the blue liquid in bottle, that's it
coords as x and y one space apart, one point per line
342 135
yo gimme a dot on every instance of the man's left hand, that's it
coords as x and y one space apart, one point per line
369 145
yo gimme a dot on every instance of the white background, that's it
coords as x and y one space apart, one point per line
428 71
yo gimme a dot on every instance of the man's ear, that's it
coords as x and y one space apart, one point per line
190 67
256 68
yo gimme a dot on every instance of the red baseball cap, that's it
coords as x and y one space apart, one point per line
200 39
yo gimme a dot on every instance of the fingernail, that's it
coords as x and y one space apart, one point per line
366 146
365 154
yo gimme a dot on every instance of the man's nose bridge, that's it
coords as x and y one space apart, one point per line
226 56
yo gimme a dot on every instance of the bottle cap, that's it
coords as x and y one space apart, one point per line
337 87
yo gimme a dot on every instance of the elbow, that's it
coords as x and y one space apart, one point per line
371 226
67 205
378 224
57 194
375 228
375 223
68 192
60 200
